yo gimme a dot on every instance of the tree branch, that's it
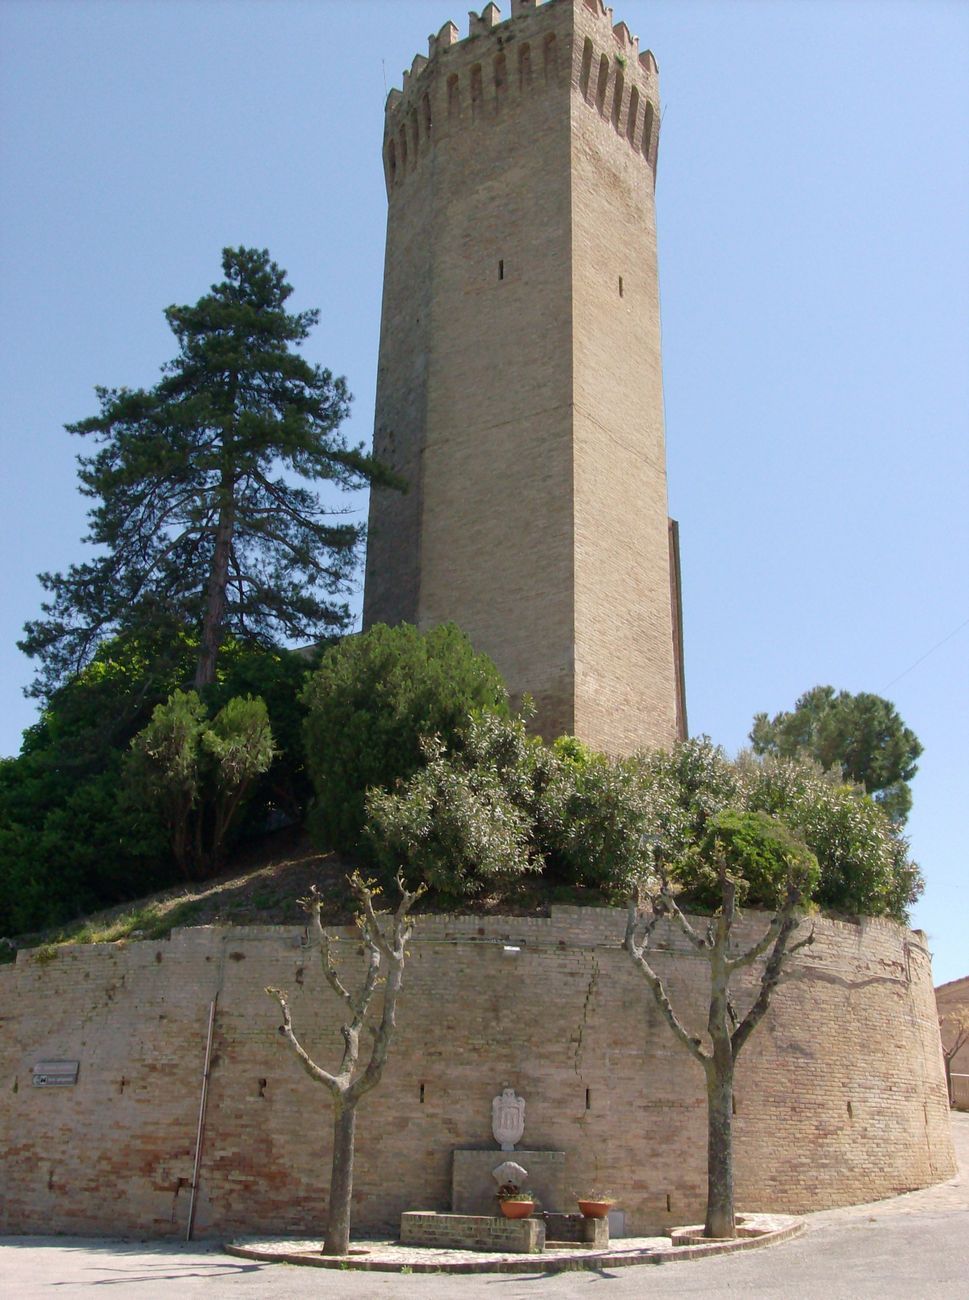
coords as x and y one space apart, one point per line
286 1029
638 954
358 1006
771 973
756 950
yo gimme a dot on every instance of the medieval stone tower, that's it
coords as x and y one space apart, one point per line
519 389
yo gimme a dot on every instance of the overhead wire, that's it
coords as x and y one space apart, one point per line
922 658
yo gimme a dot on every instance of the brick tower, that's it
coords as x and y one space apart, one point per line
519 388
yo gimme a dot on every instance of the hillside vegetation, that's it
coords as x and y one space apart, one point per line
393 752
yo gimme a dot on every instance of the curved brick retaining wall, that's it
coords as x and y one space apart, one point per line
840 1093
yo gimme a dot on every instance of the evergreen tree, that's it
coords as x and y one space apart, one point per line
862 736
202 526
370 703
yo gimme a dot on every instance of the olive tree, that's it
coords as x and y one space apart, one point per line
739 852
351 1080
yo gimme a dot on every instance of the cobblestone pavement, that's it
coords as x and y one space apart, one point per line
913 1247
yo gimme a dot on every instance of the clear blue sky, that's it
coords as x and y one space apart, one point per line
814 207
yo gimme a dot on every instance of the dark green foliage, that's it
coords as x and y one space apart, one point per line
68 843
757 852
277 677
201 528
688 783
194 773
369 704
600 837
860 736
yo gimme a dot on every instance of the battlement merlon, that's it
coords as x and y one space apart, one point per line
490 24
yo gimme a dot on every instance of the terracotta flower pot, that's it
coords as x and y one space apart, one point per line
517 1209
595 1209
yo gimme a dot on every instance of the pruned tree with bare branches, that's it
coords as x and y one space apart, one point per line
956 1024
737 850
351 1081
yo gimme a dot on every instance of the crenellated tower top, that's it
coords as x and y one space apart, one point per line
470 80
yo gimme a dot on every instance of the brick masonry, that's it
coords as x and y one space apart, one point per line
472 1232
577 1228
519 386
840 1093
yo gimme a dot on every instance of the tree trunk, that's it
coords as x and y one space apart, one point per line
337 1240
211 637
720 1221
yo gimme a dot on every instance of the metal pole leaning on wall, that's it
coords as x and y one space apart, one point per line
201 1124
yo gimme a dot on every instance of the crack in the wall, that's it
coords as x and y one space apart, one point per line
590 992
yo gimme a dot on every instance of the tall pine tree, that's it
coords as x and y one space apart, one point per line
204 524
861 735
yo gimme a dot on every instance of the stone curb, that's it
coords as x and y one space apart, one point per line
527 1263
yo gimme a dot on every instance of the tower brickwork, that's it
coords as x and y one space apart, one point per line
519 389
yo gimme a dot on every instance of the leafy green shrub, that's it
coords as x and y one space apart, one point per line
599 837
277 677
575 752
619 813
504 804
754 850
68 841
369 704
195 774
865 866
465 820
690 782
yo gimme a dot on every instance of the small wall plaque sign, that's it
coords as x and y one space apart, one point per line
55 1074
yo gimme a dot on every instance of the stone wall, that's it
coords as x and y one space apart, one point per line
840 1092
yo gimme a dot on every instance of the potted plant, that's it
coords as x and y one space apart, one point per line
515 1204
596 1205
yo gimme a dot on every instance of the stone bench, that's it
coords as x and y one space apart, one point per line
472 1232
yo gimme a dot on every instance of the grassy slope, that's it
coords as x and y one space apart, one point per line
263 886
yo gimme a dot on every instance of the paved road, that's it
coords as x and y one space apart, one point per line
915 1247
